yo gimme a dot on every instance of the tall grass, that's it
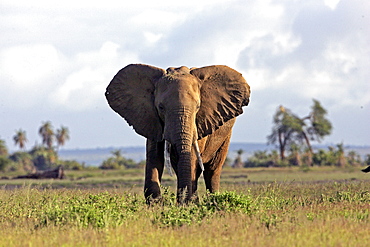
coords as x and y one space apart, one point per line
268 214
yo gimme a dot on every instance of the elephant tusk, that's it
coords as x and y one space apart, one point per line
197 152
167 158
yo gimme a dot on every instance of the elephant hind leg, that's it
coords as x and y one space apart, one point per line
213 168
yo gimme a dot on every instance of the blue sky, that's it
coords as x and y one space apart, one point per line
57 57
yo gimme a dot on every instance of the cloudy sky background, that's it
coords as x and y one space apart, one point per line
57 57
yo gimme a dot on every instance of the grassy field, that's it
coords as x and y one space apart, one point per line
256 207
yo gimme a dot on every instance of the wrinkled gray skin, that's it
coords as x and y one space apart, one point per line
185 107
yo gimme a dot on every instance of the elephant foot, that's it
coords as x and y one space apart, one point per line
152 196
183 197
150 200
366 169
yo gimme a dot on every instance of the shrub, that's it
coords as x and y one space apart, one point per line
4 162
71 165
24 161
263 159
110 163
44 158
172 215
118 162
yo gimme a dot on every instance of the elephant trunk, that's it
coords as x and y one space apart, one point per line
180 133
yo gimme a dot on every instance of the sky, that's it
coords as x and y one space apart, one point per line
57 58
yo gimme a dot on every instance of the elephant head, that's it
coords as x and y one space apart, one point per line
179 105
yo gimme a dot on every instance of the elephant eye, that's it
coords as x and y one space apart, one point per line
161 107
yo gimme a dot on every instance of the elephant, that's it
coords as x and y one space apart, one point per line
186 116
366 170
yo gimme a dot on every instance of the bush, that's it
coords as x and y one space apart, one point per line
4 162
71 165
24 161
44 158
263 159
118 162
110 163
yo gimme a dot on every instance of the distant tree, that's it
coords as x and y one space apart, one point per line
3 148
238 163
354 159
62 136
319 126
341 158
20 138
289 129
117 153
117 161
286 129
47 134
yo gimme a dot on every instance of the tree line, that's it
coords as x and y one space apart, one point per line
39 157
293 135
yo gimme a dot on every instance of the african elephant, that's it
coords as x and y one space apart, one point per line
186 115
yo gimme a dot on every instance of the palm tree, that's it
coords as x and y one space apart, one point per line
238 163
62 136
20 138
3 148
47 134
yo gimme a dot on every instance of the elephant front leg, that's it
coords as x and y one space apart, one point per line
153 170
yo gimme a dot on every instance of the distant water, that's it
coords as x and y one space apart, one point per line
95 156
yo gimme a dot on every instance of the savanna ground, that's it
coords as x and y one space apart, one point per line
256 207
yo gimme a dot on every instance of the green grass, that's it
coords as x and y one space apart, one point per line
285 211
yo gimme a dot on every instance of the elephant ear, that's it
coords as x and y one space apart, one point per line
130 94
224 92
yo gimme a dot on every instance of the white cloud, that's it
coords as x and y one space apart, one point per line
331 3
81 90
28 73
152 37
84 87
28 66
